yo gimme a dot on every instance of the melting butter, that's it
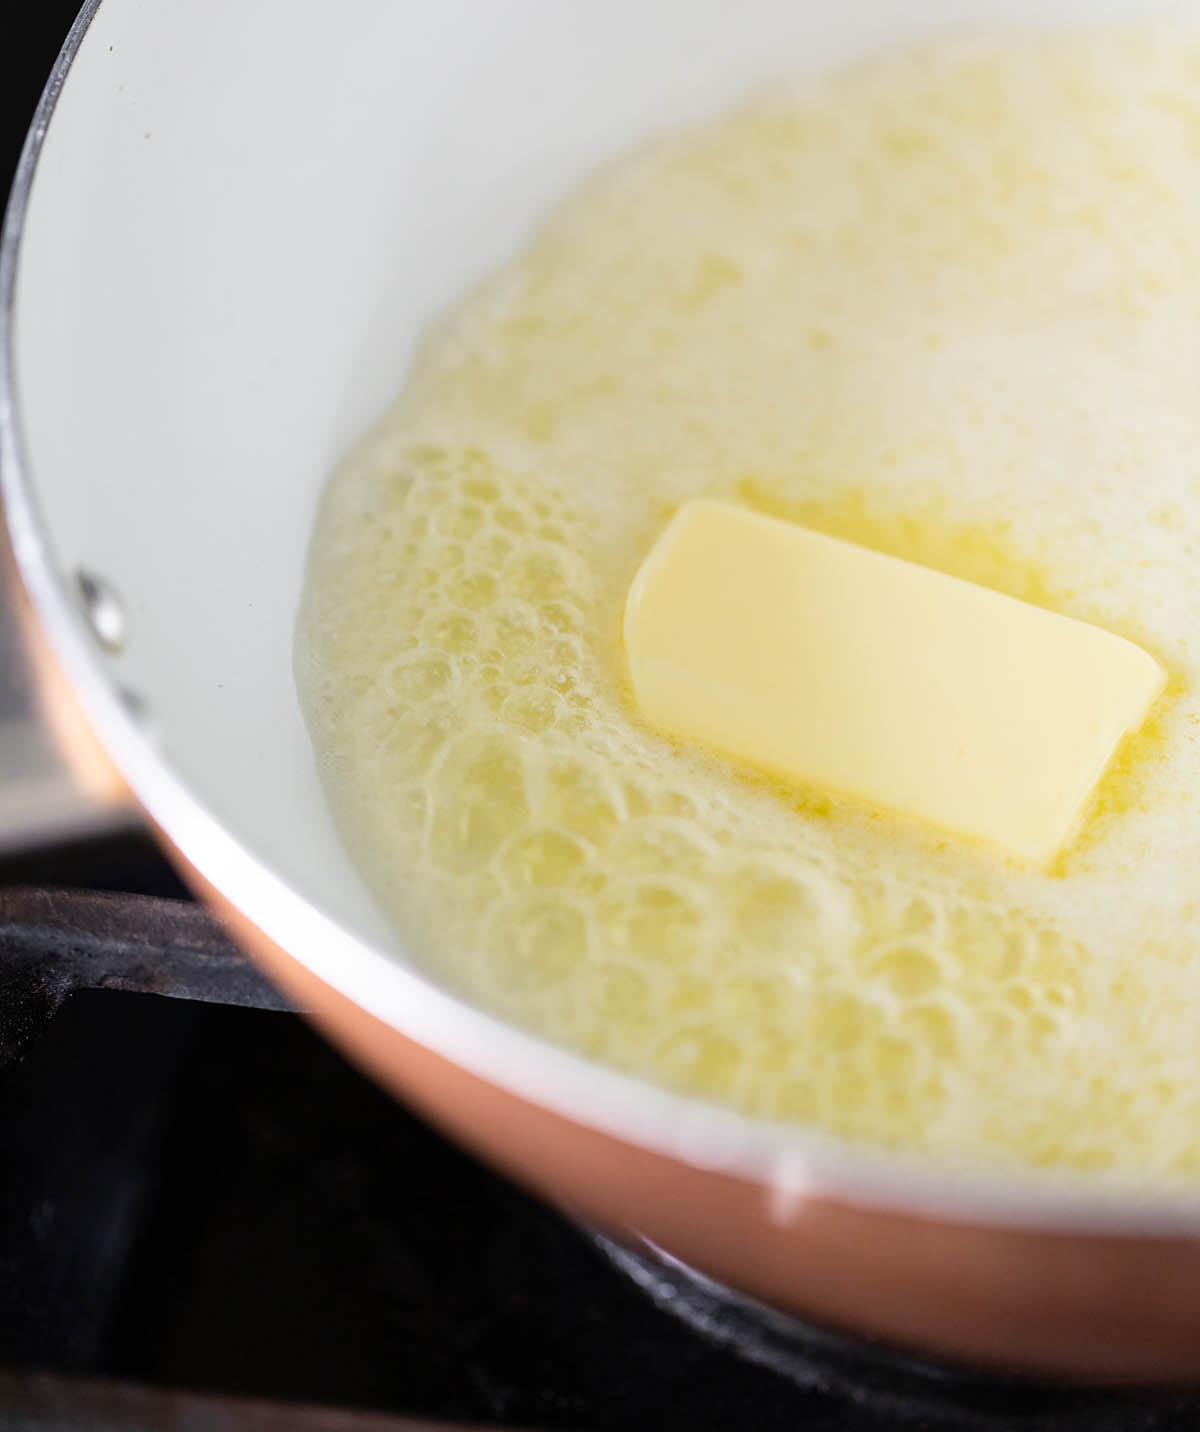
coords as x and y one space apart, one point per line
837 667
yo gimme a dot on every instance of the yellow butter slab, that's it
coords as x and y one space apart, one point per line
829 665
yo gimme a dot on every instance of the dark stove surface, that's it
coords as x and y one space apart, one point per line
209 1198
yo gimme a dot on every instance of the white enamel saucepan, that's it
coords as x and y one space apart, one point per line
232 220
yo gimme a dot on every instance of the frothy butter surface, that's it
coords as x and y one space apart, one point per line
946 304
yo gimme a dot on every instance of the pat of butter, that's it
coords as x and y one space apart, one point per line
827 664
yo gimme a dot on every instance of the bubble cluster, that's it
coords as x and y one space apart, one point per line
885 306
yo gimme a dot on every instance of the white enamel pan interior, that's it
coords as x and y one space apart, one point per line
218 259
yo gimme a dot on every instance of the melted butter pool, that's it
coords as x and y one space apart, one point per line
946 304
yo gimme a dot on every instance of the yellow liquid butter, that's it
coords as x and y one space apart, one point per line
945 304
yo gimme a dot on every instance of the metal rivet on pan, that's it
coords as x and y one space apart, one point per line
104 611
133 703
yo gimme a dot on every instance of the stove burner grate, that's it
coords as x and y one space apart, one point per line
891 1385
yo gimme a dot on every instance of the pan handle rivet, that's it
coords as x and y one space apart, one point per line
103 609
